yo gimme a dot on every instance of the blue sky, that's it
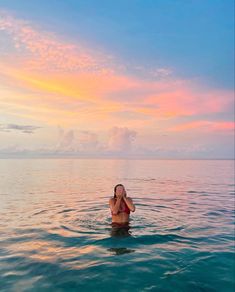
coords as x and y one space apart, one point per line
194 37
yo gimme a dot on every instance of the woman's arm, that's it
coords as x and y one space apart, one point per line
129 203
115 207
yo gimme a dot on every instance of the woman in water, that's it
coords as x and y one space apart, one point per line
120 206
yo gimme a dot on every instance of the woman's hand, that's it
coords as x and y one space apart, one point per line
119 195
129 203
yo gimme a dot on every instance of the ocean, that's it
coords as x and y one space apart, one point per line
56 233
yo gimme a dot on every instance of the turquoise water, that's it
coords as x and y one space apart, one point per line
56 233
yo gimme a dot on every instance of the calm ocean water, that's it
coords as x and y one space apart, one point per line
56 235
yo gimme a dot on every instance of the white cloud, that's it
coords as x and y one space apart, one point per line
73 141
162 72
121 139
120 143
65 140
82 143
88 141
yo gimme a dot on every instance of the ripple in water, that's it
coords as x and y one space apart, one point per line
59 237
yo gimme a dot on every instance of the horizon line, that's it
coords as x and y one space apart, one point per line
111 158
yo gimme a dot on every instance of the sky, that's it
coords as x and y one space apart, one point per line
123 79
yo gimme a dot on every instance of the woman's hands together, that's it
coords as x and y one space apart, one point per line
120 195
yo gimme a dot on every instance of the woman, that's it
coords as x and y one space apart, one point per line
120 206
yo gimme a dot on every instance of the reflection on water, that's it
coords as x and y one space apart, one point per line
120 250
120 230
57 235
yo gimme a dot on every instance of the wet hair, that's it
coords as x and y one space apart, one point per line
115 188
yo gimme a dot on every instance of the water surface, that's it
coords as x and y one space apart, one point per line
56 233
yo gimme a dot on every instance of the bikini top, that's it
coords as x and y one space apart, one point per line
126 209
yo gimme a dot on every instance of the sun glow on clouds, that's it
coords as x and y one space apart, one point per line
53 81
205 126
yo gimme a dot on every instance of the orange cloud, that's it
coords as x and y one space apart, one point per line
53 80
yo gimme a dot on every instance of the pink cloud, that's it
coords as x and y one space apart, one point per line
41 50
206 126
183 100
64 73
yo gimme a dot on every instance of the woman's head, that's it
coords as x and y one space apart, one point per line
118 189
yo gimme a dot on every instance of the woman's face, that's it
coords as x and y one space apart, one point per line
119 190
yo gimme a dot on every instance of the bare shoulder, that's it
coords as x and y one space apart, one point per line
111 199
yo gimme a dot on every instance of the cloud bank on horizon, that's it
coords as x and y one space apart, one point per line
67 90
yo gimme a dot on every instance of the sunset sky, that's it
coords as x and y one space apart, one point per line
127 78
